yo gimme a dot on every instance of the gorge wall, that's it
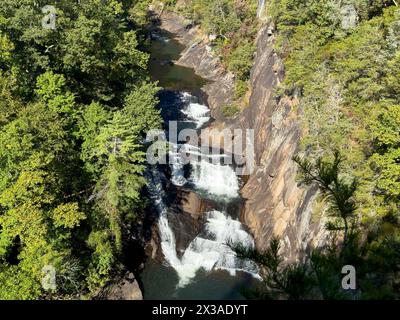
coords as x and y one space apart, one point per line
275 204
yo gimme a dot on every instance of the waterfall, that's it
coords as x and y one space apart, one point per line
207 175
208 251
157 194
177 165
216 179
196 112
260 8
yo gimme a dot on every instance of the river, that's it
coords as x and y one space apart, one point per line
200 266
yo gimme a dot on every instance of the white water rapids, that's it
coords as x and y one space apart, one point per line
195 111
208 250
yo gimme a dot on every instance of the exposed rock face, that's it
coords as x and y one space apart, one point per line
126 289
185 216
191 203
275 204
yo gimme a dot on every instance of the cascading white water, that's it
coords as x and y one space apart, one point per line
157 194
218 180
208 250
196 112
207 175
177 165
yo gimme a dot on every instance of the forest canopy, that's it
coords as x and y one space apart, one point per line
75 101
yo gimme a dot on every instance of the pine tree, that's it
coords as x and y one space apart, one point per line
338 193
119 160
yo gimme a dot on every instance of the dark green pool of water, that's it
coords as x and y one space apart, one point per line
170 76
160 282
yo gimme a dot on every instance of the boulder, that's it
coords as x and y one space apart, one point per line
125 289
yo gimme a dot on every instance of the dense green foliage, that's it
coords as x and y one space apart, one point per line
230 110
336 190
75 103
348 80
376 260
